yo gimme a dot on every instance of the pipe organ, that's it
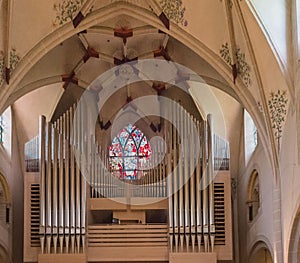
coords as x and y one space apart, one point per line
179 180
62 194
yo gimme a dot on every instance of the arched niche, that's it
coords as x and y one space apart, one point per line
294 244
253 201
4 201
260 253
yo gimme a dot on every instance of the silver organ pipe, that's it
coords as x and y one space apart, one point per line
63 200
174 144
181 178
205 218
49 179
61 185
61 177
189 188
192 182
42 147
186 180
169 187
210 143
67 176
198 192
77 139
54 178
72 180
210 166
55 186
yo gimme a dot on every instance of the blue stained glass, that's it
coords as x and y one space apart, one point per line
129 153
123 137
130 128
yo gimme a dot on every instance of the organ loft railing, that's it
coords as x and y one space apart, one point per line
192 154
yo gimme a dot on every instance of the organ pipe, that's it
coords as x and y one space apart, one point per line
49 179
210 143
210 167
67 176
204 181
61 178
63 187
42 143
54 177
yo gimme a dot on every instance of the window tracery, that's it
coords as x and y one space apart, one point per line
129 153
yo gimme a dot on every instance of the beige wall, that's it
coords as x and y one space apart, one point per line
10 167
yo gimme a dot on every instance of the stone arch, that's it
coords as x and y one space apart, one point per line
260 253
5 200
103 14
5 186
253 195
294 244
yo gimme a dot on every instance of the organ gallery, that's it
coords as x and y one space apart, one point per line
149 131
163 191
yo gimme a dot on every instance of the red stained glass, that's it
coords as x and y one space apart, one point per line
129 153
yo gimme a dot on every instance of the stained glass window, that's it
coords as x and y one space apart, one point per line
129 153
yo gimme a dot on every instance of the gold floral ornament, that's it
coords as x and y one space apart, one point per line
277 107
174 10
66 11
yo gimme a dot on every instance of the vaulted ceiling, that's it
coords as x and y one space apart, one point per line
69 43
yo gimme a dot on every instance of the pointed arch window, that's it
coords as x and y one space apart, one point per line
129 153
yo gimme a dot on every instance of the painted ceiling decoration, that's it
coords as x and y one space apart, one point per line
69 10
174 10
2 68
278 110
66 10
14 60
243 68
103 47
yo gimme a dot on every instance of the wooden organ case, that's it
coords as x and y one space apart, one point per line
179 211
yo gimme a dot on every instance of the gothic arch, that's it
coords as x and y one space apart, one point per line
103 14
253 199
294 244
261 252
5 187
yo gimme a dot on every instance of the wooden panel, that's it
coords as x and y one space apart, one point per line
148 203
124 216
192 257
62 258
35 215
106 204
121 203
224 252
138 235
117 254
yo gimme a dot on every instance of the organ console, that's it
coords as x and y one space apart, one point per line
182 173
